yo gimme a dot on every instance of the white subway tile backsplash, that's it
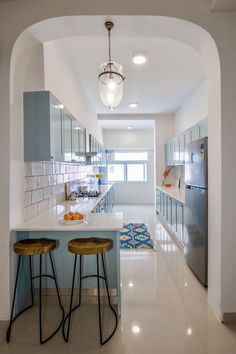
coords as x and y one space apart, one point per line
28 169
43 181
63 168
48 168
37 195
27 199
60 179
30 212
56 189
48 192
56 168
52 179
51 202
62 188
43 206
37 168
31 183
45 184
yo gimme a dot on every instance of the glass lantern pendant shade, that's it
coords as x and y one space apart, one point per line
110 78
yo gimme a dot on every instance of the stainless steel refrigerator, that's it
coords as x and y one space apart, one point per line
196 208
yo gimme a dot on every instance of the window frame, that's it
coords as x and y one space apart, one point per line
129 162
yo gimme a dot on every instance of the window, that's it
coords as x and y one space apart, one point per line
127 166
136 172
115 172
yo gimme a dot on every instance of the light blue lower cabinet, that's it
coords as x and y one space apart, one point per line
169 210
180 222
158 201
172 213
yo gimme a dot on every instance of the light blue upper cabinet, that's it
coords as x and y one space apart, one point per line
67 136
175 148
176 151
55 130
42 127
51 133
203 128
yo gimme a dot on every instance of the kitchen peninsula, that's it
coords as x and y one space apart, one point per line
49 225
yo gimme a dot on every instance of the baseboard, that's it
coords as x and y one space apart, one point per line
229 317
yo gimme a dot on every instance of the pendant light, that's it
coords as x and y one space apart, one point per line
110 77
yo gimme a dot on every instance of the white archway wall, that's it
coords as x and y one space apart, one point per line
16 16
61 79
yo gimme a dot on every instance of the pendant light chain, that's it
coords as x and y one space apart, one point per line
109 44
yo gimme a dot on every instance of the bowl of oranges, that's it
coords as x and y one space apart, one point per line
72 218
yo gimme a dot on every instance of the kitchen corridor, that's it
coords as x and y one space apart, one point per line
164 308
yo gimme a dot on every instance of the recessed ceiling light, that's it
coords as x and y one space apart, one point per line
77 128
133 105
139 58
61 106
129 127
135 329
131 284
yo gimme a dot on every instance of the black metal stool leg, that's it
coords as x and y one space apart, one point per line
13 302
56 284
42 341
99 303
40 298
108 296
80 277
66 337
31 281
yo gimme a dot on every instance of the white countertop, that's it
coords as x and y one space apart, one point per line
50 220
176 193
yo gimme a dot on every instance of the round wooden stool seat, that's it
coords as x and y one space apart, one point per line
31 247
92 245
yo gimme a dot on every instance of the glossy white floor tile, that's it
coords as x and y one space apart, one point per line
164 308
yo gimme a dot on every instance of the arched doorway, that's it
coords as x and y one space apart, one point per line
183 31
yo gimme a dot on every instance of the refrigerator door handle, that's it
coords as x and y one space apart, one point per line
192 159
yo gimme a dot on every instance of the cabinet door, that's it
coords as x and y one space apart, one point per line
203 128
180 222
75 141
195 133
167 154
181 149
169 210
82 144
162 203
176 151
171 152
67 136
55 131
158 201
174 215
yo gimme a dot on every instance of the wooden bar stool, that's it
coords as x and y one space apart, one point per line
83 247
33 247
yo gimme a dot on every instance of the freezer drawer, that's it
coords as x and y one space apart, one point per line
195 248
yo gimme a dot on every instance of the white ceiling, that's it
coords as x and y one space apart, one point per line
124 124
172 71
223 5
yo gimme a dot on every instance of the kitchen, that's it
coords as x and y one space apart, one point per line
89 172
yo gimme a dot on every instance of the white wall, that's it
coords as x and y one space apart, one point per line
62 81
164 130
192 110
128 139
133 192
